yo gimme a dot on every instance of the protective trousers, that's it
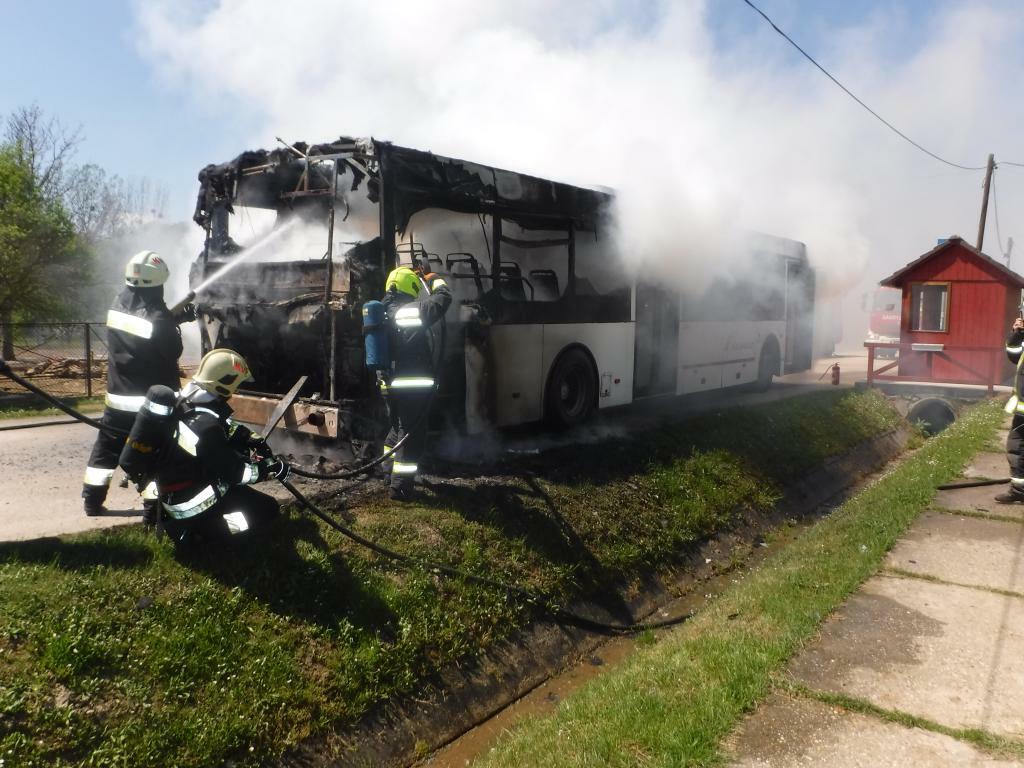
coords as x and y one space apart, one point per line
1014 446
407 412
105 453
240 511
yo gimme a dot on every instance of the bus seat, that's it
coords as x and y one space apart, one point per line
511 282
545 281
465 269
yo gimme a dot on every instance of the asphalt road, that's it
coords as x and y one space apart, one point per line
41 468
41 473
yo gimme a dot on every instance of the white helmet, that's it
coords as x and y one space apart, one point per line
222 371
146 270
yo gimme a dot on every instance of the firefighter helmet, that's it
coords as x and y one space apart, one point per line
222 371
404 280
146 270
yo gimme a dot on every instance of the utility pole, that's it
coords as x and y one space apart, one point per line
984 200
1009 250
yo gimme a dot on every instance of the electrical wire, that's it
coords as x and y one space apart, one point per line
850 93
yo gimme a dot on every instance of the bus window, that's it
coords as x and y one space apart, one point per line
534 263
602 287
456 243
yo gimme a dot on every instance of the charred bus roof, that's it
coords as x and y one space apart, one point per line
406 180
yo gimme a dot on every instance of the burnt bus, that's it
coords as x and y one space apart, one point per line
545 323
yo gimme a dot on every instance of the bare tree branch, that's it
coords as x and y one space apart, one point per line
46 147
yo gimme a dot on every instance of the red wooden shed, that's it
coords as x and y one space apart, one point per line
958 305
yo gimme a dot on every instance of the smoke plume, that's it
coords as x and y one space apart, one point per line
700 131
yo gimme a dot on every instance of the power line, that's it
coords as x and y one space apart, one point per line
849 93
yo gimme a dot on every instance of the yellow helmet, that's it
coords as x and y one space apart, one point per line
404 280
222 371
146 270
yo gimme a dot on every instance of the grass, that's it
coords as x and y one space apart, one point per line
673 703
114 650
86 404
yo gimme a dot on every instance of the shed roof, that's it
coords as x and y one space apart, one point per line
895 279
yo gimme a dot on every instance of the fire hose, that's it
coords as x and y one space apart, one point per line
5 370
534 598
972 484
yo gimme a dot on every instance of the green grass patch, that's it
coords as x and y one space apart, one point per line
40 408
671 704
115 651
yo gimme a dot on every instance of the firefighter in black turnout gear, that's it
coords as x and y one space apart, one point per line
413 305
143 345
1015 406
204 475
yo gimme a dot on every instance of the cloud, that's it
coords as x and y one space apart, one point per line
641 97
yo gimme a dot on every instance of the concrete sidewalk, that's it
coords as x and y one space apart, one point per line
938 634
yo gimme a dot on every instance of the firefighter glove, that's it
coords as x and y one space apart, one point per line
273 467
433 281
187 314
259 447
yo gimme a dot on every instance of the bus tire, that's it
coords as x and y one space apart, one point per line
570 396
768 365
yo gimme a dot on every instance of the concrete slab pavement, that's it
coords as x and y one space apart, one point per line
795 733
938 633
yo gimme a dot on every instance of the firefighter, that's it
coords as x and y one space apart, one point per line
143 346
1014 446
413 305
204 475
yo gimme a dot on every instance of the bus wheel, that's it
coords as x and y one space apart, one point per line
768 365
571 394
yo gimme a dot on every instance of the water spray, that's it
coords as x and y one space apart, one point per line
256 247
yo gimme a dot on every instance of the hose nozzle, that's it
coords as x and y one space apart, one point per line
177 308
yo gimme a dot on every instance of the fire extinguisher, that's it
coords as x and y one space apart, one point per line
835 374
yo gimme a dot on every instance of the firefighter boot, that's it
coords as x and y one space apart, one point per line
1012 496
401 490
150 512
94 496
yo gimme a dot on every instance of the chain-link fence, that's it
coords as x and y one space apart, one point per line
65 360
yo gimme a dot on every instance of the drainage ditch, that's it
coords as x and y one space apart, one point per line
458 715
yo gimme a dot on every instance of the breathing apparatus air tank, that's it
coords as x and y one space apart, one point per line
152 431
375 336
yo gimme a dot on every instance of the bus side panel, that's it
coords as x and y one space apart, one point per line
518 376
700 355
612 346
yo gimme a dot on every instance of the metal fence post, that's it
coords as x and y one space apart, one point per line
88 361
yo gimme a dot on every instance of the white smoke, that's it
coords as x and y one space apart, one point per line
697 139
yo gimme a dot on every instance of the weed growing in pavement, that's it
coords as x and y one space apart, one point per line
115 652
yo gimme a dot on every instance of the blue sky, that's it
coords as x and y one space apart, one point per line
79 62
156 117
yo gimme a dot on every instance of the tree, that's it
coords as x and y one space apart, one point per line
40 256
102 209
44 146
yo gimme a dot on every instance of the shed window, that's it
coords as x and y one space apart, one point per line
929 307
